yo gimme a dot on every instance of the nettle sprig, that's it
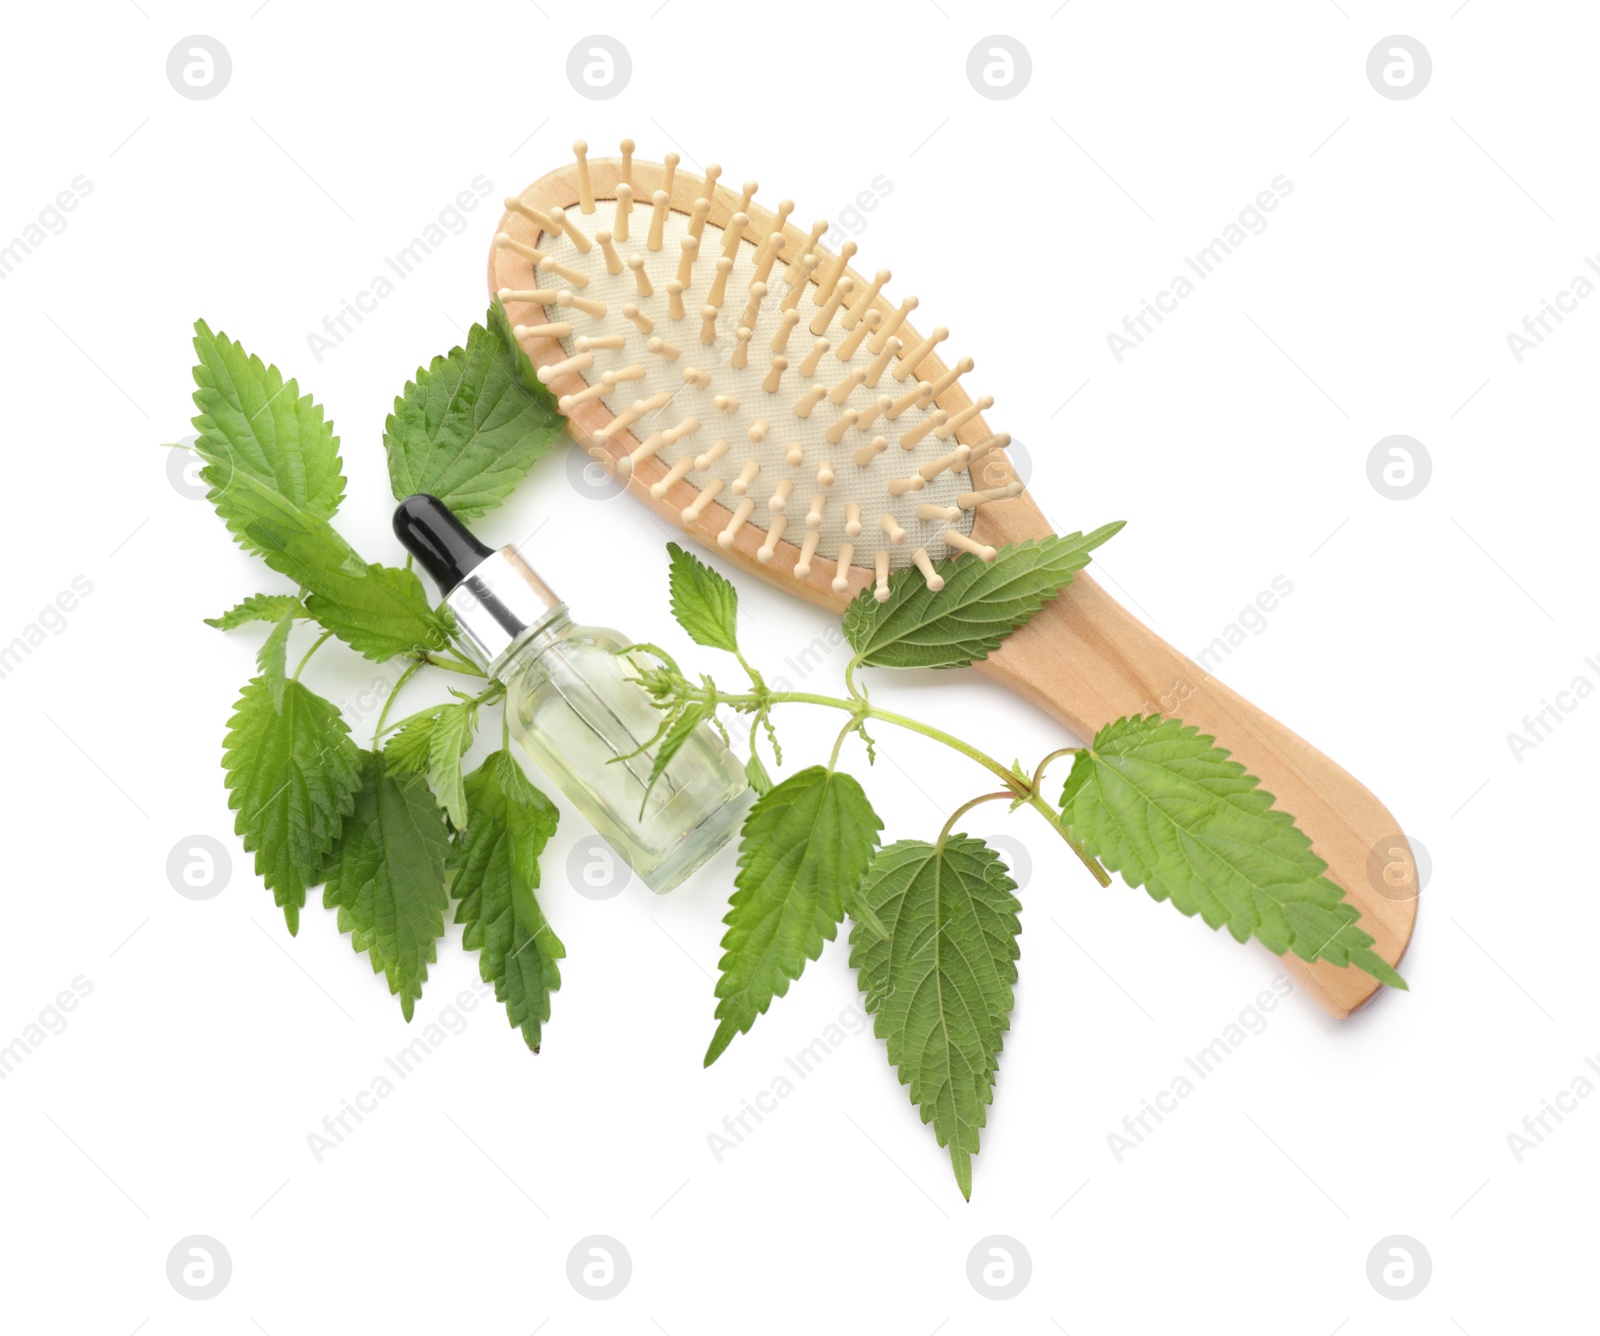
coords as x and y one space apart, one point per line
934 930
397 830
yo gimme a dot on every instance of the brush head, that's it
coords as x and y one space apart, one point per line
753 387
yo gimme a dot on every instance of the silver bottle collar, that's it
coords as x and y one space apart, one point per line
496 605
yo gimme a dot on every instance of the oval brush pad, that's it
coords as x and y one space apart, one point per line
760 389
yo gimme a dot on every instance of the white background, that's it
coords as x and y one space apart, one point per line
179 1098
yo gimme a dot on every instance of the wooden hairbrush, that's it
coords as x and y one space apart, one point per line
764 396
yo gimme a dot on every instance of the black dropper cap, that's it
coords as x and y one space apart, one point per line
441 543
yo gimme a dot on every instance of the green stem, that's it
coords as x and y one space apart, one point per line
384 713
316 645
963 810
449 663
860 709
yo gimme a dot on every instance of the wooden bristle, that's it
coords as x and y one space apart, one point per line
641 280
543 221
825 312
958 540
672 477
808 368
505 241
718 448
643 323
575 277
880 363
775 530
658 219
577 303
619 227
959 420
834 274
707 494
972 500
841 568
747 475
836 430
863 303
852 341
741 513
808 550
577 235
558 329
580 151
719 285
613 260
689 249
627 163
924 563
909 361
698 213
670 166
578 362
892 324
871 450
909 439
917 394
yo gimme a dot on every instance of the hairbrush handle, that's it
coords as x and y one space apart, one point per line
1085 660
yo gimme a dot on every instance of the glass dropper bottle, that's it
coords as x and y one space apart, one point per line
573 708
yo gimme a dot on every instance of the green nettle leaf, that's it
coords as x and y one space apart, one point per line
259 608
466 429
432 742
980 605
508 824
272 658
269 453
940 982
803 852
387 879
291 774
522 367
1157 801
704 601
379 611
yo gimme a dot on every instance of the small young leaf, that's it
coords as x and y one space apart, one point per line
269 452
672 742
387 878
432 742
804 850
272 658
292 773
757 774
259 608
466 429
940 982
508 824
379 611
704 602
1159 802
980 605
